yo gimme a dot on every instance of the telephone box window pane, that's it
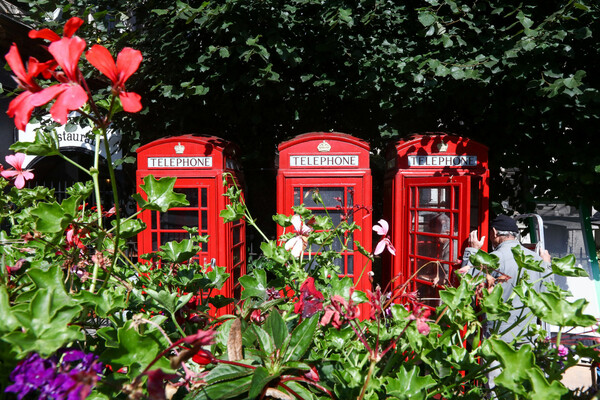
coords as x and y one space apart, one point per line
339 262
191 195
153 219
350 265
434 222
154 244
297 196
434 197
436 273
177 219
433 247
350 199
237 255
203 247
475 189
428 295
204 197
173 236
204 220
237 234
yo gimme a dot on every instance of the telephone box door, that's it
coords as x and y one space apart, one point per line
168 226
339 199
437 217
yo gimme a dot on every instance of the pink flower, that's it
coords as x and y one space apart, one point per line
420 315
298 243
311 300
128 62
382 230
18 173
340 311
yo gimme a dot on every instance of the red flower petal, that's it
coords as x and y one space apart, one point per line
132 102
71 98
100 57
128 61
67 52
71 26
44 34
20 108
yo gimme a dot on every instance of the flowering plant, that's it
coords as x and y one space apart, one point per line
81 319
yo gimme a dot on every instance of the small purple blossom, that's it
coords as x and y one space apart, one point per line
70 376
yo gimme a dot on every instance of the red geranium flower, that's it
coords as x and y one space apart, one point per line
311 300
128 62
69 30
21 107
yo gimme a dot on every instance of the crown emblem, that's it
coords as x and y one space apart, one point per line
442 147
179 148
324 147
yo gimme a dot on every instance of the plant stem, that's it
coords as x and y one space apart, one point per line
94 172
367 380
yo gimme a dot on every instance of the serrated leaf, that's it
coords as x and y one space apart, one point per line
51 218
160 195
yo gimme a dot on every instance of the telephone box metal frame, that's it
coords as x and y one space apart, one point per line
200 164
436 191
338 165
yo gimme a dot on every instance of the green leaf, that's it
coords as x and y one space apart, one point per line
44 144
557 311
169 301
135 350
260 379
566 267
8 322
51 218
276 328
301 338
46 324
178 252
408 384
222 390
224 372
515 364
105 303
254 284
130 227
542 390
427 18
481 258
526 261
160 194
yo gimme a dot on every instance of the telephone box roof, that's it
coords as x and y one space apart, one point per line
324 136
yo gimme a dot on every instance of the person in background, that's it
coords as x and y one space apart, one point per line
504 234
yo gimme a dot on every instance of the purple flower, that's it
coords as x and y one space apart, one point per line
71 379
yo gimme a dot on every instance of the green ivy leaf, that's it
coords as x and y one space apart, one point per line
44 144
51 218
254 284
527 261
408 384
566 267
179 252
130 227
481 258
169 301
557 311
161 196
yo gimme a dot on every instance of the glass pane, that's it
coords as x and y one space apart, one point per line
432 271
236 234
433 247
332 196
434 197
176 219
339 262
204 220
428 295
191 194
204 197
154 244
434 222
350 265
173 236
153 219
350 200
474 222
297 196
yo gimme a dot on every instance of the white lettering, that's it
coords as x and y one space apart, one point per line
179 162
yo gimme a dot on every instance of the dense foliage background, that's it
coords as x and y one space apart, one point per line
518 76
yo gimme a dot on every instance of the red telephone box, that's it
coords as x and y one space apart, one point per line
199 164
436 192
337 165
